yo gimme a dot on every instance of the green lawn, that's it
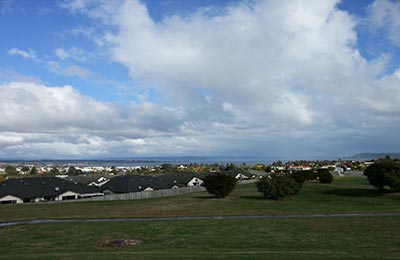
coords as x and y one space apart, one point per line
346 194
350 238
338 238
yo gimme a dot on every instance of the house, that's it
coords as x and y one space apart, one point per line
183 179
88 179
36 189
132 183
240 176
298 168
99 182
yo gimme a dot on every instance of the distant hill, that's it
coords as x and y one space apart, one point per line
371 156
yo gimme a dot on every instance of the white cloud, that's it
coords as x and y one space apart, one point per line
249 55
253 77
71 53
68 70
75 70
7 6
384 16
30 54
60 120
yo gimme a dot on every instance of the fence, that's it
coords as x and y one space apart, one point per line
147 194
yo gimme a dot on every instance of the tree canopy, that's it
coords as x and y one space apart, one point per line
220 185
277 186
384 173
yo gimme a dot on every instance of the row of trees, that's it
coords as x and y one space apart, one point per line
383 174
273 186
12 171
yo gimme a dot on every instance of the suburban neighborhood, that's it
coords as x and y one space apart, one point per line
24 183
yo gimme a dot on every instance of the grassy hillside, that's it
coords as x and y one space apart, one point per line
346 194
347 238
355 238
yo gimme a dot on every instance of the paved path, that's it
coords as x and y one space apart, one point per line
291 216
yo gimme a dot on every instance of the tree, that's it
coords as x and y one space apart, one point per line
277 186
54 171
230 167
299 177
310 175
73 171
167 167
33 170
10 170
325 176
220 185
384 173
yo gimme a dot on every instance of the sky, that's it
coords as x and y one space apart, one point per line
290 79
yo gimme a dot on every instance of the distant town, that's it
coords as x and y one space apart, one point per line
115 167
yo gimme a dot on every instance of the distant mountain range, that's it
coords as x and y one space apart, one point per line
371 156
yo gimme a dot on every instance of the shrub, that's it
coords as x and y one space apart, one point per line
220 185
10 170
325 176
299 177
277 186
309 175
384 173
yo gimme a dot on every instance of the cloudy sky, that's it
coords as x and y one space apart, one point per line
128 78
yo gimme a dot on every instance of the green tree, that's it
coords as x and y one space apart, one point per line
325 176
384 173
73 171
54 171
277 186
167 167
310 175
230 167
11 170
33 171
220 185
299 177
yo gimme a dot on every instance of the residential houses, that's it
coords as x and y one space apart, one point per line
40 189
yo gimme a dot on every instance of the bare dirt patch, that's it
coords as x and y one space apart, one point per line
108 243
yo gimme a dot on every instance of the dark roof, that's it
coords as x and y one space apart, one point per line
181 179
85 178
177 178
35 187
235 173
133 183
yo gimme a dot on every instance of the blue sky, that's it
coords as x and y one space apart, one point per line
126 78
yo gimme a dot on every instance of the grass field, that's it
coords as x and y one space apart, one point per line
354 238
347 238
347 194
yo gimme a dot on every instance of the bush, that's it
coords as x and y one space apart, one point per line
10 170
309 175
220 185
277 186
384 173
325 176
299 177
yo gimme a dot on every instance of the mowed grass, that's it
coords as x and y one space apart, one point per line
350 238
320 238
346 194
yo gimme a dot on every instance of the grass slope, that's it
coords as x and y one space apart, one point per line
346 194
347 238
355 238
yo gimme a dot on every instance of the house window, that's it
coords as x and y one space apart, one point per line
72 197
8 202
